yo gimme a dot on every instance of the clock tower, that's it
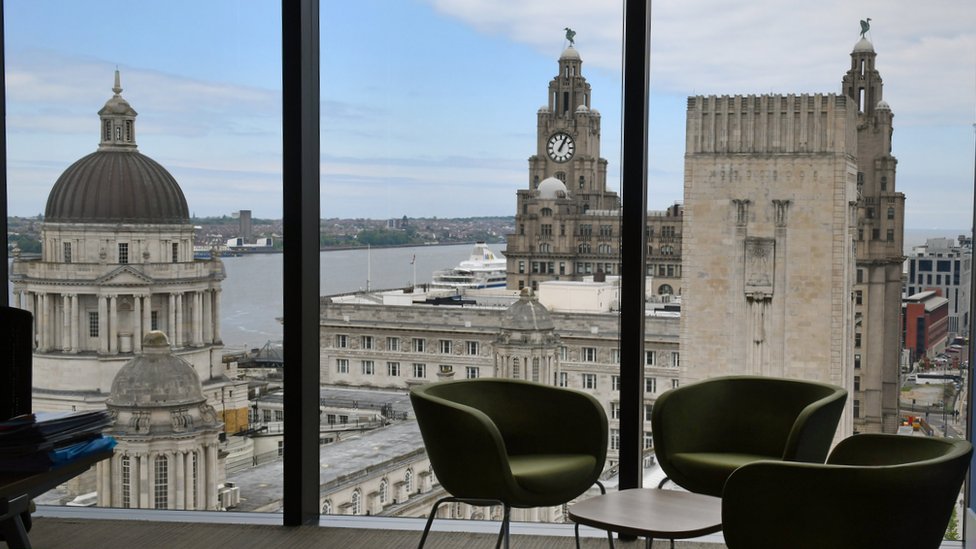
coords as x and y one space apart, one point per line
566 222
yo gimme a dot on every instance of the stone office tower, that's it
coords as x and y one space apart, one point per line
770 210
879 251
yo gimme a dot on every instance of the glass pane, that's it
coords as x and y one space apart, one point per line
448 257
144 166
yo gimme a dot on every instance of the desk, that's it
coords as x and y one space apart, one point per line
17 489
651 513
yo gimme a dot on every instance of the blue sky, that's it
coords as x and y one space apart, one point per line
429 105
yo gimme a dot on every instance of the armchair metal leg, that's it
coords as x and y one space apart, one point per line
662 483
503 533
469 501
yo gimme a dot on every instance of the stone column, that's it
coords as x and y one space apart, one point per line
172 469
102 324
113 325
178 480
42 331
197 321
136 324
189 487
101 476
65 323
171 325
141 496
211 475
179 320
216 316
146 315
17 299
208 316
75 324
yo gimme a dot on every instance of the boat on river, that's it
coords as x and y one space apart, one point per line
483 269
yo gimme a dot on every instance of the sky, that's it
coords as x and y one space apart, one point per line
429 106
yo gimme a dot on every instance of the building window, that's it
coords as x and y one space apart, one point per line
648 409
648 440
891 213
67 252
674 383
521 268
384 491
858 297
860 275
890 235
126 482
419 371
650 384
589 381
154 320
408 480
472 348
857 362
161 487
563 353
446 346
419 345
857 383
327 507
266 415
650 358
857 340
615 382
341 341
516 370
393 369
367 342
615 356
342 365
393 343
614 410
176 252
588 354
281 448
368 368
563 379
857 409
93 324
123 253
472 372
675 359
357 502
615 439
535 369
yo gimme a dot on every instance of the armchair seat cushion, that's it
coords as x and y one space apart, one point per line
553 476
712 468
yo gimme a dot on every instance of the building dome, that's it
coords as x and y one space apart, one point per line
863 45
551 188
569 53
883 106
582 108
156 378
116 186
527 314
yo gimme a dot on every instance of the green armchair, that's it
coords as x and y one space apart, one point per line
704 431
515 443
875 491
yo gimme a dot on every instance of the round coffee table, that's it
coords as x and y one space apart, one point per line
650 513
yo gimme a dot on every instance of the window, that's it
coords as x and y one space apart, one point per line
341 341
472 372
393 369
281 448
419 345
126 481
563 379
857 383
650 358
563 353
615 356
588 354
675 359
472 348
367 342
176 252
368 368
857 340
154 320
161 487
648 440
615 382
857 408
357 502
650 384
674 383
648 409
858 297
521 266
67 252
123 253
614 410
342 365
327 507
384 491
393 344
446 346
93 324
589 381
408 480
615 439
419 370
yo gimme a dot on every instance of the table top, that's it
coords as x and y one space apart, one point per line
650 512
35 484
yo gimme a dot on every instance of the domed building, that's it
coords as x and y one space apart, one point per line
167 452
527 345
117 262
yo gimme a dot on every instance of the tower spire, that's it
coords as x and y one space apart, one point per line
118 83
118 120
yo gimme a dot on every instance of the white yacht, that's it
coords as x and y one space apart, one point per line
483 269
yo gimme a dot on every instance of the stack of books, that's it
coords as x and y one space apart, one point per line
46 440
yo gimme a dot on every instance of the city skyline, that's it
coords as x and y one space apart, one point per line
398 129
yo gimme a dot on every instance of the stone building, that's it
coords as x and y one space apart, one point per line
878 249
770 195
395 340
117 262
167 434
567 223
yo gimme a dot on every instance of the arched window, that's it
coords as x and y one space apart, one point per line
384 491
561 176
515 368
161 487
584 248
408 481
665 289
126 480
357 502
327 507
546 212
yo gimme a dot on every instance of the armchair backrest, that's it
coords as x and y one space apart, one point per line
16 362
787 419
875 491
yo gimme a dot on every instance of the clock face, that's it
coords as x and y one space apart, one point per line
560 147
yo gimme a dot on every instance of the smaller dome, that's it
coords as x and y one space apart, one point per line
156 378
117 105
569 53
594 112
582 108
527 314
551 188
883 106
863 45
